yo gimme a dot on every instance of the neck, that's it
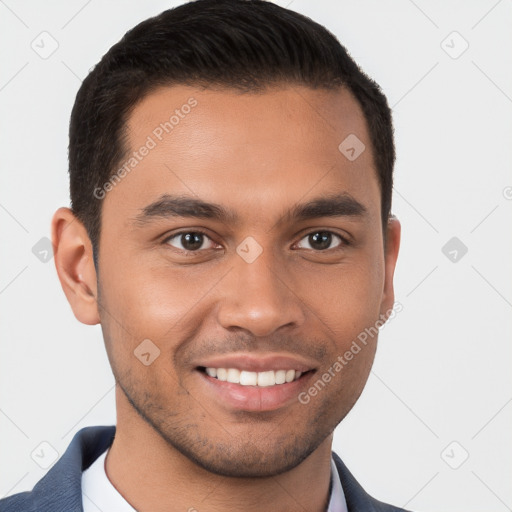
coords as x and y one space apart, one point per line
152 475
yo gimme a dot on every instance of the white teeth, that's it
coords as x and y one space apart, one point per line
280 376
212 372
266 378
248 378
261 379
233 375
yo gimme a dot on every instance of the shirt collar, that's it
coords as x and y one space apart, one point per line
337 502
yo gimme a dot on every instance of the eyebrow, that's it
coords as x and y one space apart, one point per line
168 206
337 205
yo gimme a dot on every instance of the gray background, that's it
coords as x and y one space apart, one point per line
440 389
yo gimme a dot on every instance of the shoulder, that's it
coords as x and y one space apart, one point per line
60 489
20 502
358 500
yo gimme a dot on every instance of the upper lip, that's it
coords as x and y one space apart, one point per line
258 362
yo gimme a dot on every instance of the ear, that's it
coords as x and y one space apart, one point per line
390 257
74 262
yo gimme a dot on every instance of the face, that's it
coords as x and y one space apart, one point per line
242 244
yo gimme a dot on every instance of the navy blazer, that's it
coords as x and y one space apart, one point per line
60 490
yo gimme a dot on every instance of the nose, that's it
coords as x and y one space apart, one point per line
259 297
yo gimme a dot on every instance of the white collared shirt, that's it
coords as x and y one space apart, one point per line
337 502
99 494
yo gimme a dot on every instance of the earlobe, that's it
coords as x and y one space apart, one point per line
390 257
74 263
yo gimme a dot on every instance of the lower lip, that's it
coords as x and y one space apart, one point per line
254 398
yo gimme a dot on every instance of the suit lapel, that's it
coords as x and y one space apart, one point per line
357 498
60 490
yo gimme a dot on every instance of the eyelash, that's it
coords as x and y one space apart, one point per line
344 242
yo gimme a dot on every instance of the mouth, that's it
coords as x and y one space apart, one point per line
242 390
260 379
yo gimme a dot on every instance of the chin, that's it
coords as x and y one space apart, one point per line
246 465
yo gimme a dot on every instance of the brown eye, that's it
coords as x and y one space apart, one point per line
322 240
189 241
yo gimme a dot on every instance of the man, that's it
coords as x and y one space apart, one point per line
231 177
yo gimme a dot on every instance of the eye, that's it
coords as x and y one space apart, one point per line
190 241
322 240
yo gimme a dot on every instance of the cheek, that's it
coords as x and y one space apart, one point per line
152 299
156 303
346 297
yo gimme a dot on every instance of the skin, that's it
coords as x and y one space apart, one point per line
258 155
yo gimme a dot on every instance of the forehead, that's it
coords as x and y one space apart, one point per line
277 116
252 151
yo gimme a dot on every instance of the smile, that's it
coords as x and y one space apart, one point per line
247 378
